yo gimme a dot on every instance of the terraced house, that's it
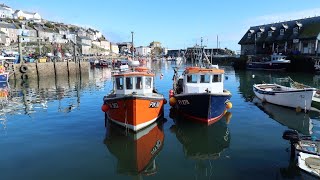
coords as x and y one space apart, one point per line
290 37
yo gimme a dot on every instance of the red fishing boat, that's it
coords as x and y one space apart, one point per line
134 103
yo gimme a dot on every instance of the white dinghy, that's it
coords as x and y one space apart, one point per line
285 96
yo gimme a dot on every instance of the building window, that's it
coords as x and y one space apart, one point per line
129 83
192 78
258 34
295 30
269 33
281 32
205 78
249 35
119 83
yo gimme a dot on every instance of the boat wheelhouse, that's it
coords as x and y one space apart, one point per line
134 103
199 94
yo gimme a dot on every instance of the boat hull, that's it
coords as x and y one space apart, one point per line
267 66
295 98
303 164
203 107
4 77
134 112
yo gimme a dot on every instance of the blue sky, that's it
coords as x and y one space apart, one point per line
175 23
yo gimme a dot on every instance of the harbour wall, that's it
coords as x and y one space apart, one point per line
48 69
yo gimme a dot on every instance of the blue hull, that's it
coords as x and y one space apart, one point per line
4 77
267 66
204 107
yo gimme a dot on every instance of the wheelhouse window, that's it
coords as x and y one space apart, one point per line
295 30
249 35
192 78
138 82
216 78
205 78
281 32
148 82
119 83
129 82
269 33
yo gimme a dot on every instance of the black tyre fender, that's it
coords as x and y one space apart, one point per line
24 76
6 65
23 68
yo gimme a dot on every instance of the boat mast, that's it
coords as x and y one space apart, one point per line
132 47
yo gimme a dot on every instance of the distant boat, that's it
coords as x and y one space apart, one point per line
275 62
285 96
134 103
100 63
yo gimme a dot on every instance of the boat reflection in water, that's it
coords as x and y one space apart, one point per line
286 116
201 142
135 151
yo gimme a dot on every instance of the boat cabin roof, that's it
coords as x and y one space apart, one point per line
198 70
125 74
138 71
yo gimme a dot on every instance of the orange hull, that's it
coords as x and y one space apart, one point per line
135 112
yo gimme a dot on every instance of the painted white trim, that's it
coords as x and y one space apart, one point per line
132 127
302 163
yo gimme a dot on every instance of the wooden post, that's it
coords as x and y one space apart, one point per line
20 49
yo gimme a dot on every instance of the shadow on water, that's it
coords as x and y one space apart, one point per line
201 142
135 152
299 121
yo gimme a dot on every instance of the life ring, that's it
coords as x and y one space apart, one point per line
24 76
23 68
6 65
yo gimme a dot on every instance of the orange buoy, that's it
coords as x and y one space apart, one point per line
172 101
229 105
105 108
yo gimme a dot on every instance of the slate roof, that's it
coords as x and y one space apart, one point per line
7 25
309 28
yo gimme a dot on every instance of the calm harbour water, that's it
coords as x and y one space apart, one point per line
54 129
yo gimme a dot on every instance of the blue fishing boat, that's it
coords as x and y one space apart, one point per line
276 62
199 93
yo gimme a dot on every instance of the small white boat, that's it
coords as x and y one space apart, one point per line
285 96
134 63
309 163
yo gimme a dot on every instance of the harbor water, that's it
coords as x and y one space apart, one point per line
55 129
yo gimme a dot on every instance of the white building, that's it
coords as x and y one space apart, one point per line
143 51
5 11
114 48
10 30
18 14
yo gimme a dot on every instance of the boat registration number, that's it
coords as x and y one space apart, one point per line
156 147
183 102
154 104
114 105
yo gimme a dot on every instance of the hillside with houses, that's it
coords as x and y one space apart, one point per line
33 30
